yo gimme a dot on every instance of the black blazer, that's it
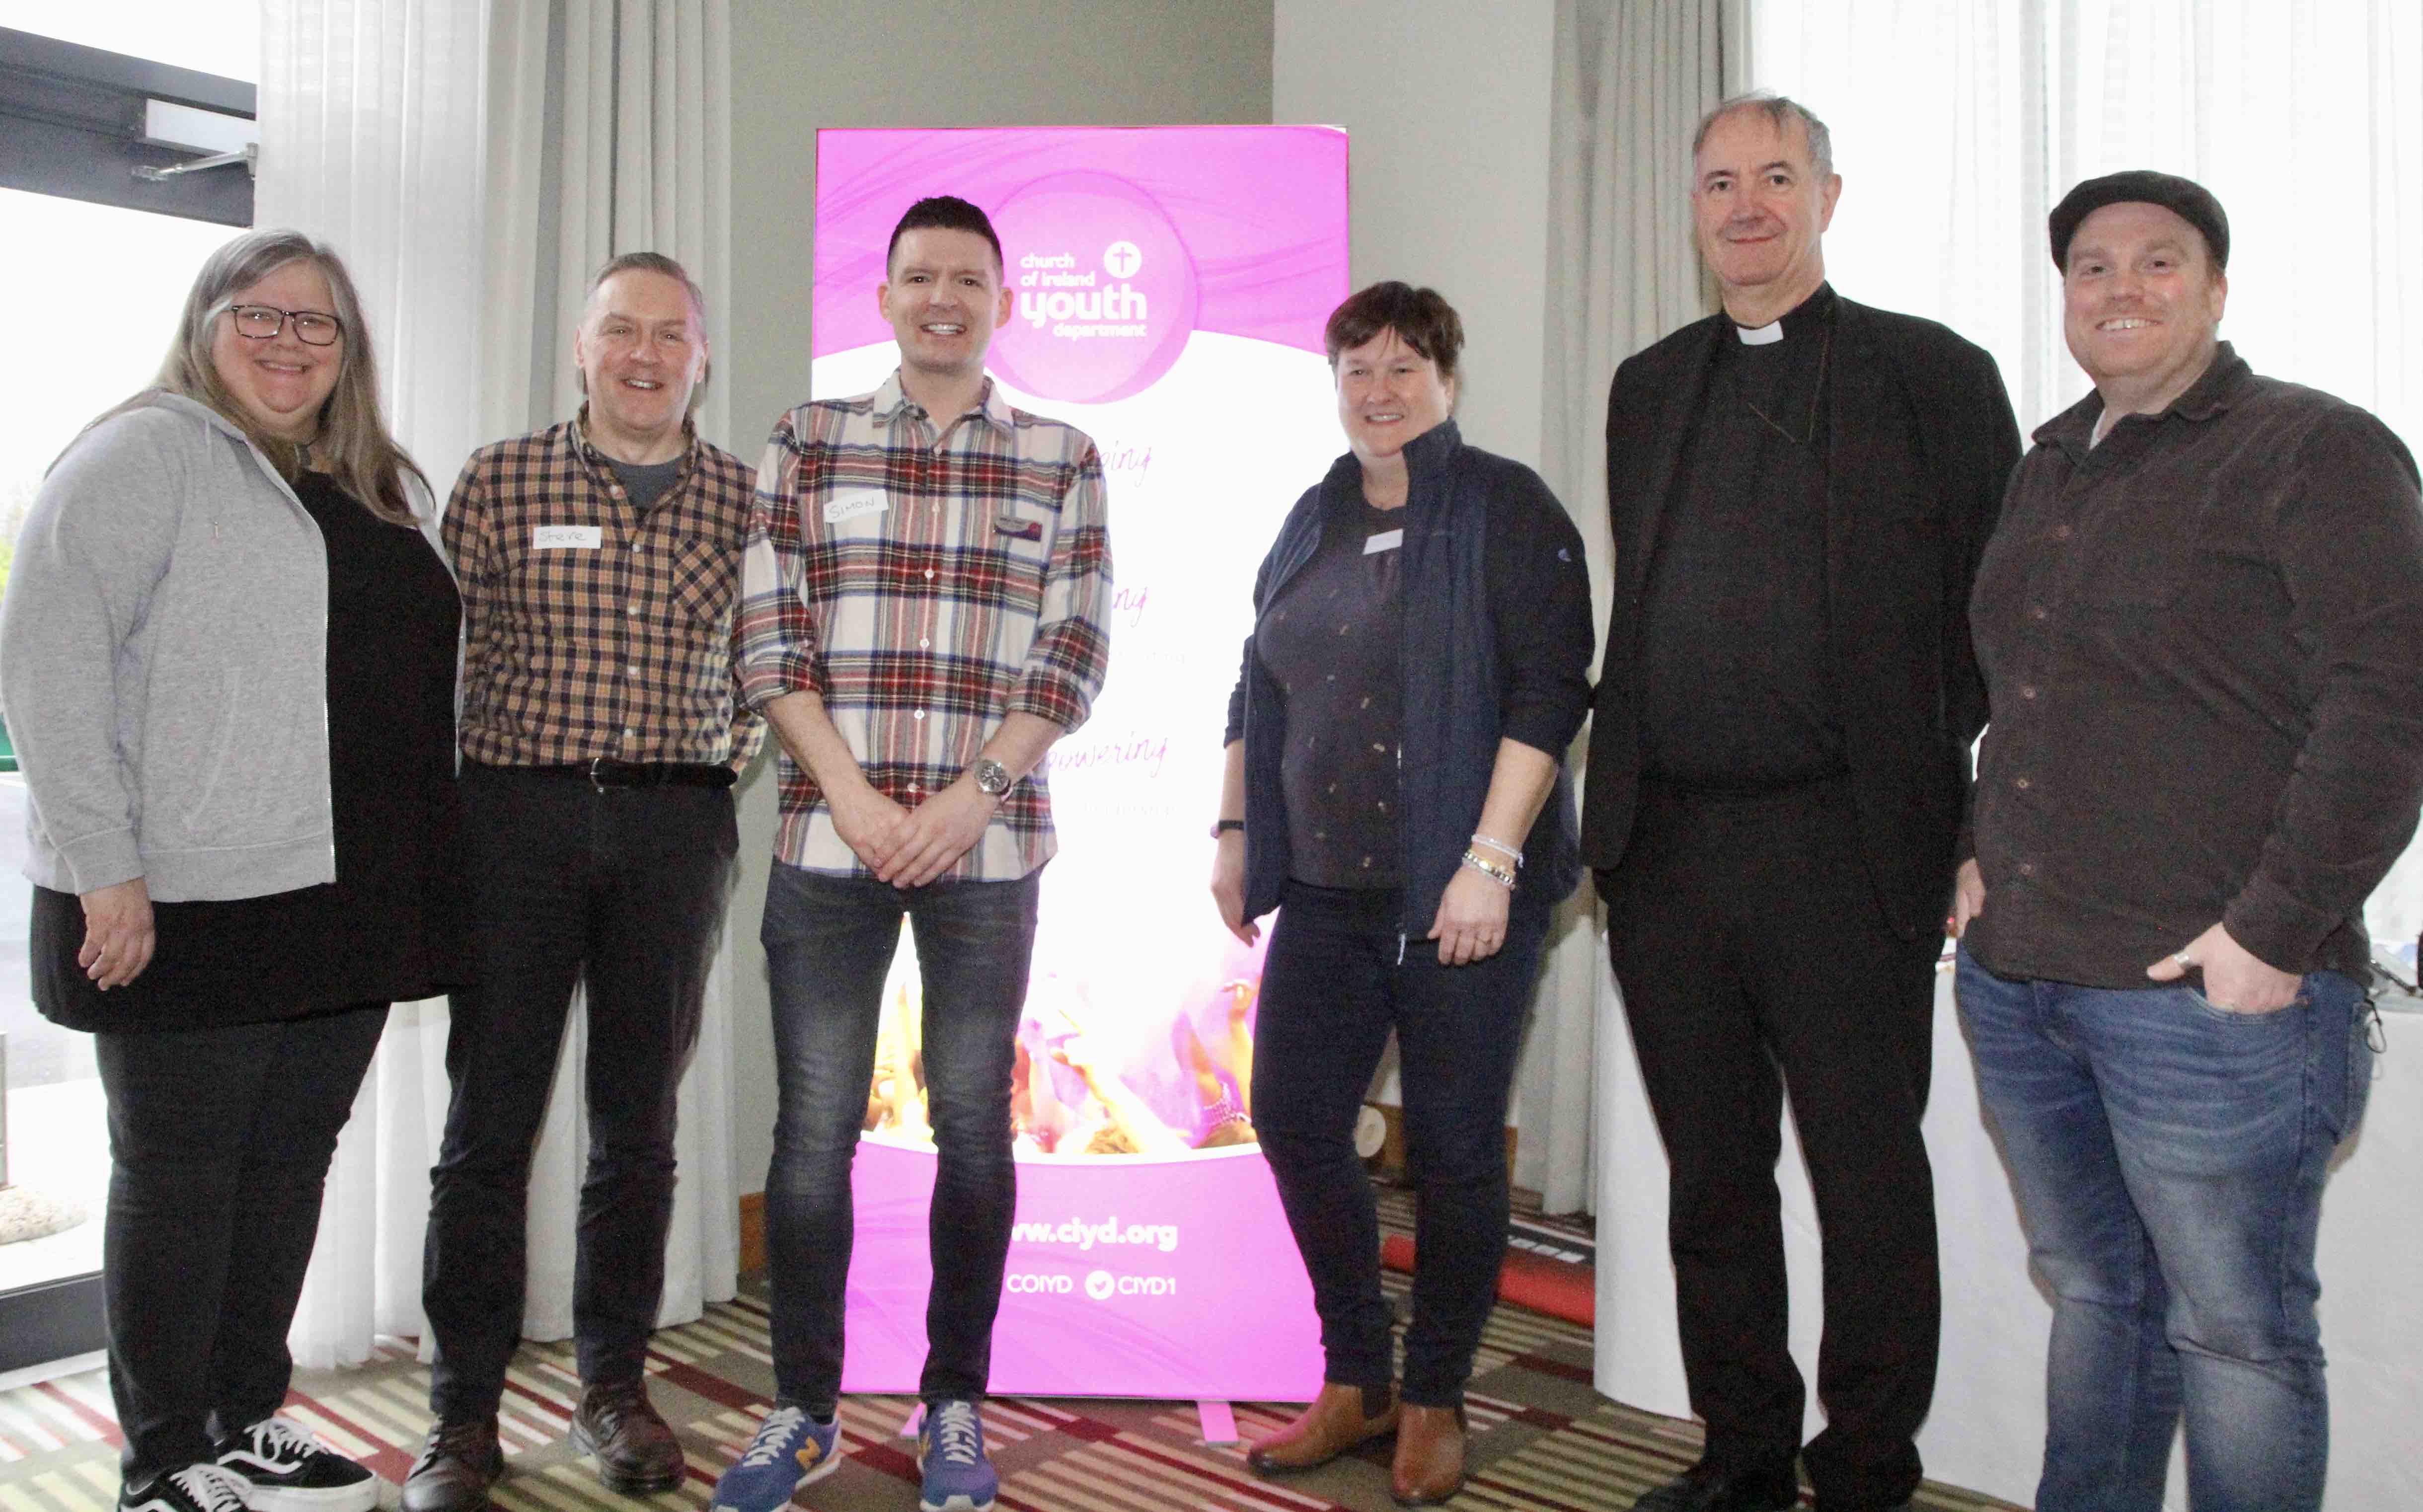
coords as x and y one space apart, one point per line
1923 442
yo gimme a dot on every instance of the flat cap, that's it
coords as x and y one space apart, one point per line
2184 197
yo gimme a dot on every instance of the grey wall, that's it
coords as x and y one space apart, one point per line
796 68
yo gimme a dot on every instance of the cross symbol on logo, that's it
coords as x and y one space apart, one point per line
1122 259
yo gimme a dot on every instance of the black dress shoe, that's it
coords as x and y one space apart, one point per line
1707 1488
634 1447
456 1467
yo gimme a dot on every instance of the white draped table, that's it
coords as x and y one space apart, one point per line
1986 1431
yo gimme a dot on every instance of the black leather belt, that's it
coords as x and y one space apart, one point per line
601 773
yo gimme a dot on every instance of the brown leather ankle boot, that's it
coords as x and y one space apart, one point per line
1429 1455
1340 1419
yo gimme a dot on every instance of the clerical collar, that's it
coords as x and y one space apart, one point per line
1815 307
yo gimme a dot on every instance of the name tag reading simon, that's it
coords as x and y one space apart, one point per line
566 537
857 501
1384 541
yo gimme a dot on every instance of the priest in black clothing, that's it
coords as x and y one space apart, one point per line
1800 488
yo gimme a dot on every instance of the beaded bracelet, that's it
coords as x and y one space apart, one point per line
1490 870
1500 847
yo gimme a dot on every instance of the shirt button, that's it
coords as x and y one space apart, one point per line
922 643
2061 533
919 714
2021 784
630 735
2036 612
2028 690
2027 868
633 611
630 672
929 574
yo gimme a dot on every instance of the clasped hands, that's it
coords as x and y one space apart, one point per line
911 847
2236 980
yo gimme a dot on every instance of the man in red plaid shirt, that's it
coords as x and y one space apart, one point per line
923 601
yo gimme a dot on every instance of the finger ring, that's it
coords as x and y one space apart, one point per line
2182 959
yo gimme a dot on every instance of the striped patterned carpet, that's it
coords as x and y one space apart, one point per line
1544 1438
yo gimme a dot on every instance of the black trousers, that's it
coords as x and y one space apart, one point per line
624 889
1754 957
219 1143
1337 979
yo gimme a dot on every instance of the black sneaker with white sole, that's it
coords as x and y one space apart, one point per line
284 1468
194 1488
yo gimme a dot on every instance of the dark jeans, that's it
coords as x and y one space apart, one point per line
828 943
219 1141
1337 979
2169 1159
1754 956
623 889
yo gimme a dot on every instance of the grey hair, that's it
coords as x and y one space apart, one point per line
653 262
659 263
1778 109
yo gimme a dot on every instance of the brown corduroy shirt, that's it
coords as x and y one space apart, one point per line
2203 646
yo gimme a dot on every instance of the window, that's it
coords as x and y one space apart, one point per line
101 260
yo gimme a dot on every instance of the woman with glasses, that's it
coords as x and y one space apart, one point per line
229 651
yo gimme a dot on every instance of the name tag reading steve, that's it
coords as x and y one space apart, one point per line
1384 541
855 502
566 537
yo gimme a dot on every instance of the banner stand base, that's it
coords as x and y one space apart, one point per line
1219 1422
917 1421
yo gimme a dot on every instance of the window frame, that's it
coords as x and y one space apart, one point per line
75 128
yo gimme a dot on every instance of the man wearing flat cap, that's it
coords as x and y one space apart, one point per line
2201 626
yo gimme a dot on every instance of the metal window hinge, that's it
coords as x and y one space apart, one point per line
249 155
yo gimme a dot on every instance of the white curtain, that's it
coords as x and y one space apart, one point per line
1631 82
419 138
1958 128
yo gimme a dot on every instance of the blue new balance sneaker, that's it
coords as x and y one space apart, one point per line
790 1450
951 1457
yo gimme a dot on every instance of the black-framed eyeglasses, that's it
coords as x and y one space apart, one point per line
261 322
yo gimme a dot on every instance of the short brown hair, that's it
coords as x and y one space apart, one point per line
1421 318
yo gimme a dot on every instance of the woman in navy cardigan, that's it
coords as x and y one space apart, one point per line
1396 787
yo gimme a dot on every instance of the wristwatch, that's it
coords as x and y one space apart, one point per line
993 778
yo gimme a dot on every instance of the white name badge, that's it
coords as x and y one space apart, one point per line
855 502
566 537
1384 541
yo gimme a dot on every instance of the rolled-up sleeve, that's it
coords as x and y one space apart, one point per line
1070 653
774 638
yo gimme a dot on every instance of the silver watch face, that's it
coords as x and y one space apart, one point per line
992 777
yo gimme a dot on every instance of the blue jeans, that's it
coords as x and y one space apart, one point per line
828 943
2169 1158
1337 980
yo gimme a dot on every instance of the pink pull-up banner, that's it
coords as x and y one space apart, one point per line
1169 286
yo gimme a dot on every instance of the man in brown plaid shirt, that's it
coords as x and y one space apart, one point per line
599 562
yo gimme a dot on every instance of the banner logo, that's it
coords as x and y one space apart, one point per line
1106 290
